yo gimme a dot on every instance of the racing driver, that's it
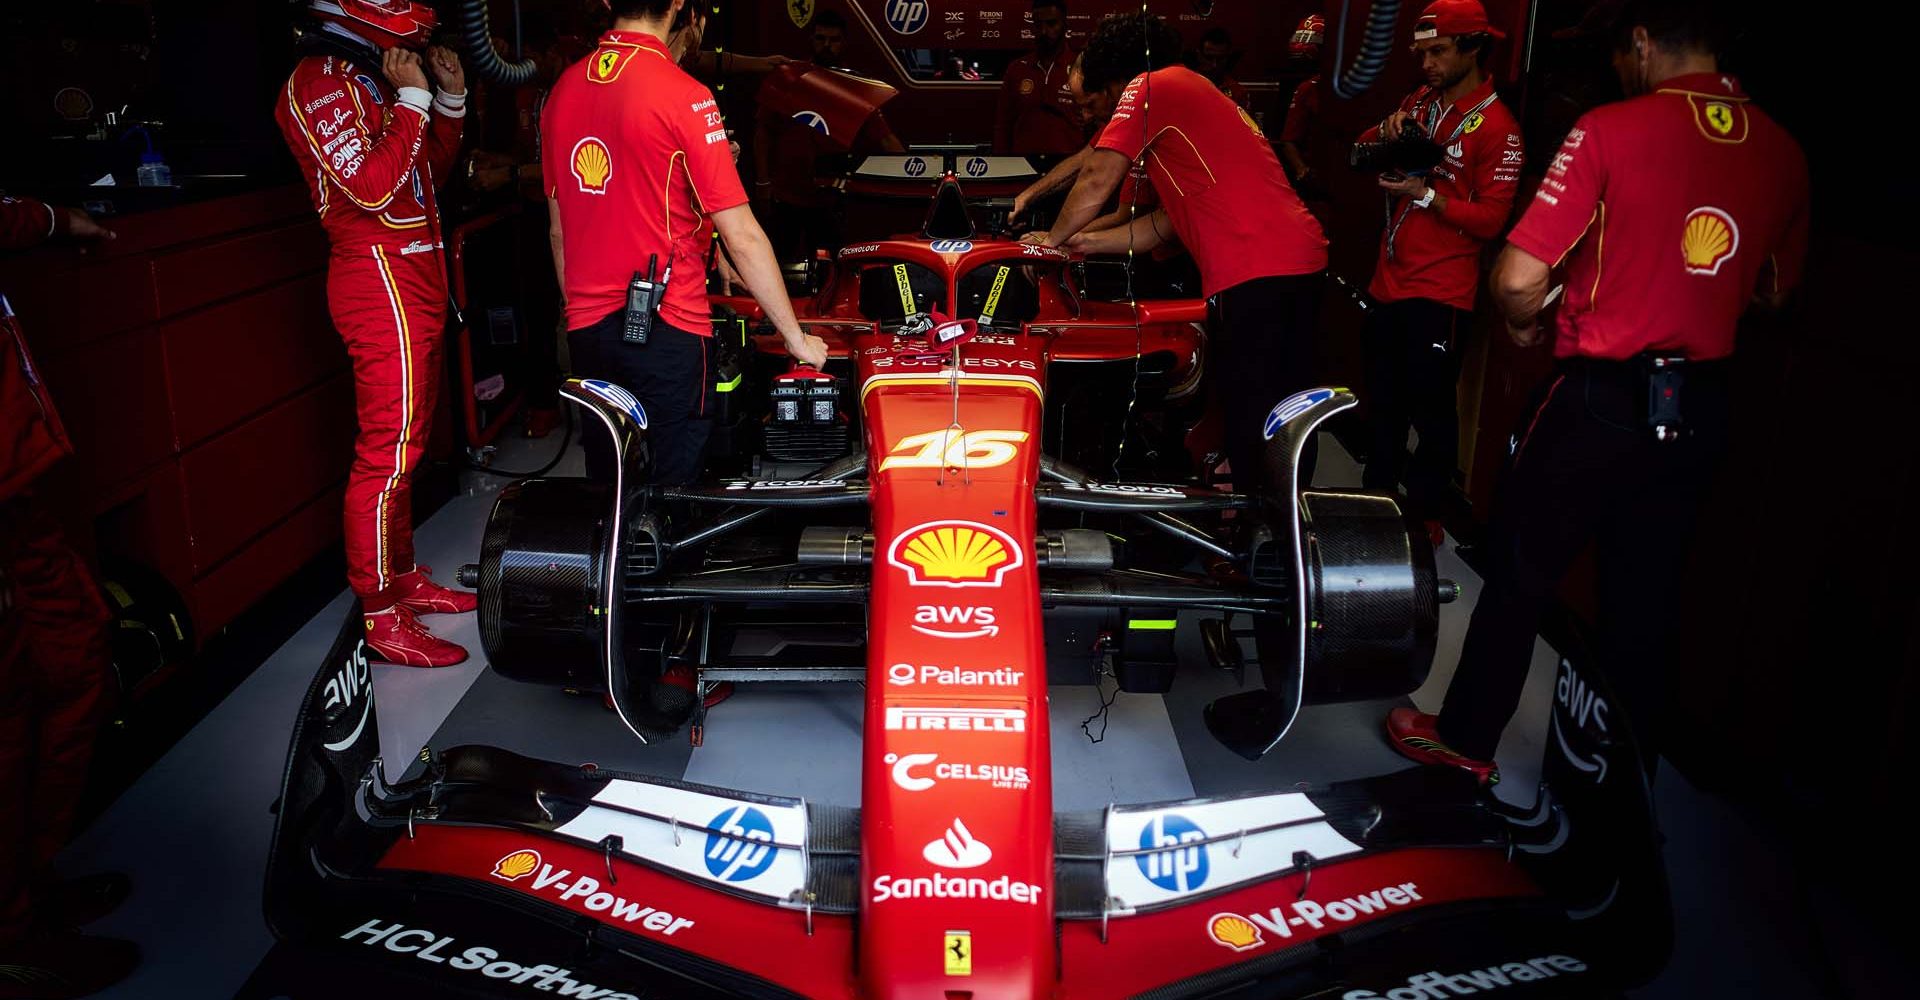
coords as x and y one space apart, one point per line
372 141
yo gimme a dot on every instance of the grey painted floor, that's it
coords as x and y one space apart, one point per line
193 831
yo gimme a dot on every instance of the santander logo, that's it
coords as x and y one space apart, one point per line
972 622
958 849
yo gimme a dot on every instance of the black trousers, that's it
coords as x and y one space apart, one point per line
1586 468
671 375
1413 364
1262 337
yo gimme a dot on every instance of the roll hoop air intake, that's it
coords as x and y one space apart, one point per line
477 35
1376 46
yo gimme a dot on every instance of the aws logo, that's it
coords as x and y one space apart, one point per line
592 165
1709 239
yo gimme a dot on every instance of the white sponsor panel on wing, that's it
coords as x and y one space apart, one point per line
752 847
1167 853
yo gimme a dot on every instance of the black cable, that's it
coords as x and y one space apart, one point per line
1106 703
1133 212
566 441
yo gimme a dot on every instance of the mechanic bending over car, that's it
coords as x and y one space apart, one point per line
1262 257
374 144
56 676
1700 201
622 126
1429 265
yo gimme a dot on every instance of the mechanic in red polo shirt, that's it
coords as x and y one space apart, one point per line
1429 265
638 168
1262 257
1700 203
1037 116
1303 50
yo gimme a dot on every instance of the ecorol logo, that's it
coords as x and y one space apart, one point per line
740 846
1293 406
955 554
908 16
592 165
1177 853
1710 239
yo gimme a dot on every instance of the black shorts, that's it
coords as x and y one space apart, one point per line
672 377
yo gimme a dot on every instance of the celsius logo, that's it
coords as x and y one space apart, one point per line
974 622
977 166
915 166
907 16
1176 858
957 849
998 775
740 845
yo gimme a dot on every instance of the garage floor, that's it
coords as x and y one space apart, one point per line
193 831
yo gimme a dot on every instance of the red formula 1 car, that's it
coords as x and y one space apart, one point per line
934 547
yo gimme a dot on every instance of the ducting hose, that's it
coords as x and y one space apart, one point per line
1376 47
477 33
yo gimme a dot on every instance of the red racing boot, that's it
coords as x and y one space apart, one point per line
417 592
396 636
1417 737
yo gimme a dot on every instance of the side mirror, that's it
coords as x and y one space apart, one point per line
949 335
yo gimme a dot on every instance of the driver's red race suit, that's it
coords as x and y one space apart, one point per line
371 157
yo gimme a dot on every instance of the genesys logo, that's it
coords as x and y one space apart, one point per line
1246 932
431 946
917 772
943 622
908 675
1493 977
566 888
956 720
957 848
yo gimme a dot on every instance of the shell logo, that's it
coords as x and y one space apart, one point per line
955 554
592 165
1231 930
1710 238
517 865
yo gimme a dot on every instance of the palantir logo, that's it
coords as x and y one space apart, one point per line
740 844
1177 854
907 16
915 166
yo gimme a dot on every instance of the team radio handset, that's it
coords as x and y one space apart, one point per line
643 302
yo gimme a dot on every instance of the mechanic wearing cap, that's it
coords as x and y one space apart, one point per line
1700 203
1303 50
56 673
1262 257
1215 60
1036 115
1429 265
639 171
373 143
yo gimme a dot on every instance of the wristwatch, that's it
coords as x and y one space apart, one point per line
1425 200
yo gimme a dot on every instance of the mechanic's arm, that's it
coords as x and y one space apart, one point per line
1099 179
559 244
1062 174
449 112
707 63
25 222
1296 164
1146 233
759 270
1520 292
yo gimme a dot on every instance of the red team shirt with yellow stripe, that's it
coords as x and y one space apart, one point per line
1667 212
635 155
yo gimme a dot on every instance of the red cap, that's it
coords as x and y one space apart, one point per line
1308 37
1454 17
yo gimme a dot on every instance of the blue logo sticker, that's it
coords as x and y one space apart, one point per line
621 399
1179 859
814 121
908 16
977 167
742 849
1293 406
372 88
915 166
950 246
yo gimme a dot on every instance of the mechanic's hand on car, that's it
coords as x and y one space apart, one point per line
1390 126
81 226
806 348
1037 238
402 68
1020 205
447 71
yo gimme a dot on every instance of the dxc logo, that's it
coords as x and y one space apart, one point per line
907 16
1177 861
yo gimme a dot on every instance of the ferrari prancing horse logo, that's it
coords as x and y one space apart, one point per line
801 11
1720 116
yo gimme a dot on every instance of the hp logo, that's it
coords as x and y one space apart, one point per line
1293 406
907 16
1178 862
950 246
915 166
742 848
814 121
977 167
